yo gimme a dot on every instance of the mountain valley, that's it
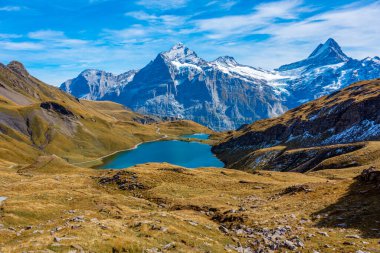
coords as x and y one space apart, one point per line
50 201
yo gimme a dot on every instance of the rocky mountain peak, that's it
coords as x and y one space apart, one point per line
90 72
329 49
227 60
18 67
325 54
179 52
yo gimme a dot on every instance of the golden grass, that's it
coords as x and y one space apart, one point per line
172 207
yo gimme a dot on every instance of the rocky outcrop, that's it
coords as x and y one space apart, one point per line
303 135
94 84
370 175
55 107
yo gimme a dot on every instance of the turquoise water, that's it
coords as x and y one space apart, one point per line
199 136
182 153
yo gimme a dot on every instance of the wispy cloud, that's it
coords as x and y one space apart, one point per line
163 20
9 36
20 46
353 25
226 5
262 15
10 8
46 35
163 4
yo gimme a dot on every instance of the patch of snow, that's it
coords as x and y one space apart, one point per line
180 65
362 131
246 71
2 199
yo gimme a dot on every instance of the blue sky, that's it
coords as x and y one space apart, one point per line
57 39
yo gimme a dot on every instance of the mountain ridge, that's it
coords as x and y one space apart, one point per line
261 93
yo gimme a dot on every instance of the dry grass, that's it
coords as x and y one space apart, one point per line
173 205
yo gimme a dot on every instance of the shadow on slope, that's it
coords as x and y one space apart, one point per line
358 209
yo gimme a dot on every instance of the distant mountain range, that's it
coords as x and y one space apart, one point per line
223 94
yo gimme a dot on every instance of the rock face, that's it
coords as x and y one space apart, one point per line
93 84
348 116
223 94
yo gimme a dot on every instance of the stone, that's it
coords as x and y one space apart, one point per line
57 239
78 219
289 245
223 229
169 246
353 236
323 233
193 223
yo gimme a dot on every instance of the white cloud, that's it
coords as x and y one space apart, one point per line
10 8
46 35
20 46
262 16
162 20
9 36
226 5
163 4
134 32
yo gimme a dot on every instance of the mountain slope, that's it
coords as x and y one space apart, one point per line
304 137
38 119
223 94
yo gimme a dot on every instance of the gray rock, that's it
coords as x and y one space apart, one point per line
323 233
353 236
169 246
289 245
223 229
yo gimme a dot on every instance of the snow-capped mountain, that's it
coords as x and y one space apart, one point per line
325 54
326 70
221 94
224 94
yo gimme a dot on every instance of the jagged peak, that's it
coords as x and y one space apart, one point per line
18 67
330 46
178 45
229 60
325 54
179 52
91 71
